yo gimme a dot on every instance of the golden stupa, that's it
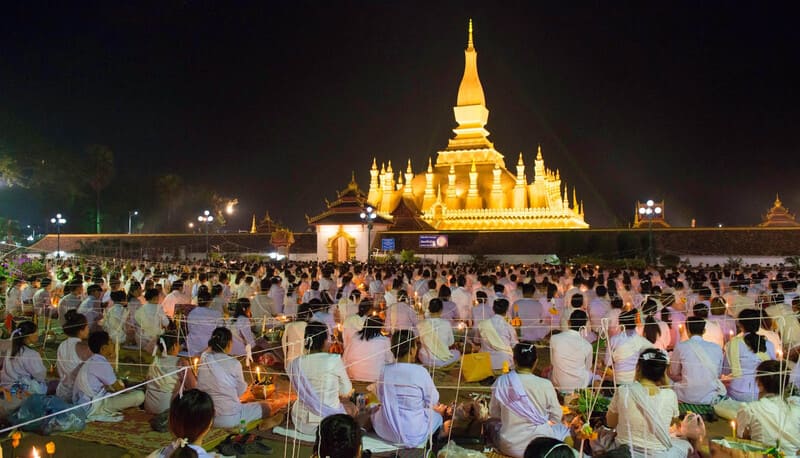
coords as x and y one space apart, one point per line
779 216
469 186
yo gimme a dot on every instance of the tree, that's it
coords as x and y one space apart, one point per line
170 189
101 170
10 173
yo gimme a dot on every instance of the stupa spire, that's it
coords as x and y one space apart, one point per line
470 91
253 228
469 37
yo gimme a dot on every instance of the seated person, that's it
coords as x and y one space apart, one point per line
696 366
367 352
400 315
294 334
642 411
625 348
190 419
96 379
547 447
772 419
221 376
320 380
160 390
150 321
436 337
71 353
200 323
526 405
23 365
571 356
355 323
338 436
497 337
115 318
743 354
240 328
406 416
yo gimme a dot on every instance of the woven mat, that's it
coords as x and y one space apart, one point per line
134 433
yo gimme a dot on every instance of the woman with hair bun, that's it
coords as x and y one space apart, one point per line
23 365
191 416
221 376
743 354
72 353
339 436
320 380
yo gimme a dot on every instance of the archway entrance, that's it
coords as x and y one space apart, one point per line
341 247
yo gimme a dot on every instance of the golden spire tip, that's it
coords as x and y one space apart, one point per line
469 39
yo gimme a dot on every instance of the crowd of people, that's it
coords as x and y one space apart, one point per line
709 336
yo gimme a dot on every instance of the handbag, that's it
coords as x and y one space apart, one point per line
476 366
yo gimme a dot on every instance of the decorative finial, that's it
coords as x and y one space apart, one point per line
408 167
253 225
452 169
430 167
352 176
777 200
539 153
383 168
519 162
389 168
473 168
374 164
469 39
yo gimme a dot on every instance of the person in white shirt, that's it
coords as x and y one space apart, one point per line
70 301
743 354
497 337
42 301
191 417
624 349
277 294
463 300
293 339
571 356
150 321
367 352
91 307
320 381
241 328
400 316
535 319
696 366
175 297
641 411
599 308
774 419
71 353
218 301
526 405
14 297
436 335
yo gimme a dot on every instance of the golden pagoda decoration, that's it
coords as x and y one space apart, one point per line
469 186
779 216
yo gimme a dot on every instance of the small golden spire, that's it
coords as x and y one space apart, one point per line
383 168
539 154
389 168
253 225
469 39
430 167
777 200
452 169
408 167
558 175
519 162
473 168
374 164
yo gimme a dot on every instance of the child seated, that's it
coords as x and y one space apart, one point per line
23 365
116 317
96 379
71 353
162 387
190 419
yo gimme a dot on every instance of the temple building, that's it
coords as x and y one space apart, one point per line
779 216
468 186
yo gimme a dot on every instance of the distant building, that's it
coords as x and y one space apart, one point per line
468 186
778 216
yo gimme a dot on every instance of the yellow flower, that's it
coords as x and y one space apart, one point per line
50 447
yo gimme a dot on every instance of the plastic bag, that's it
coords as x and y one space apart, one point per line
39 405
451 450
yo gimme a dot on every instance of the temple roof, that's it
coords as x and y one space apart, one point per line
779 216
347 208
407 217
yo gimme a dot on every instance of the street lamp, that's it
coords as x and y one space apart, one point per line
650 210
368 215
131 214
58 221
206 218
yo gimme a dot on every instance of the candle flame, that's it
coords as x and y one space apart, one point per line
35 453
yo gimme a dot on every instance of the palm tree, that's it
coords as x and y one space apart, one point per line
101 163
170 188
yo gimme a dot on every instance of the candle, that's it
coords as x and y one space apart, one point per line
779 354
733 428
461 326
264 325
258 374
195 361
34 453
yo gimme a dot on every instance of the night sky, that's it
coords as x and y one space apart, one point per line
275 103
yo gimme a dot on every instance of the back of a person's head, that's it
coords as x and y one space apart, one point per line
338 436
525 355
74 322
652 364
696 325
500 306
97 340
578 319
547 447
151 294
771 376
190 416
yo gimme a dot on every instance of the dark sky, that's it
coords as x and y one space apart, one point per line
276 102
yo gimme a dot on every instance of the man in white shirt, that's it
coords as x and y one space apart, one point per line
599 308
532 315
463 299
571 356
175 297
277 294
696 366
14 297
497 337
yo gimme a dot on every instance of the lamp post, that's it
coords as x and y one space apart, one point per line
650 210
58 221
368 215
206 218
131 214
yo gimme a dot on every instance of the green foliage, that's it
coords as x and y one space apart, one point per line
617 263
793 261
407 256
589 401
384 259
733 263
670 260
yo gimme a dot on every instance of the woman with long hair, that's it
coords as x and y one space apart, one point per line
743 354
240 326
71 353
367 352
23 365
191 417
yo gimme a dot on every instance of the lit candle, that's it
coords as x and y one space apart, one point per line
779 354
733 428
195 362
34 453
461 326
50 448
264 325
258 374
